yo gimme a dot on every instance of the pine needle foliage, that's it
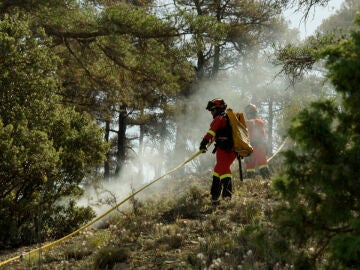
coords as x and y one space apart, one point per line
321 183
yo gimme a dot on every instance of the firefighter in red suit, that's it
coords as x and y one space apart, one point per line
220 131
257 137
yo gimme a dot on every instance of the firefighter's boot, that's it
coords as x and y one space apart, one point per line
215 190
227 188
250 174
265 172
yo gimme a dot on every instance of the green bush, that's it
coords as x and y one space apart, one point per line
68 218
189 205
46 147
108 257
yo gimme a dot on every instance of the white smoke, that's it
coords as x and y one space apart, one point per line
235 86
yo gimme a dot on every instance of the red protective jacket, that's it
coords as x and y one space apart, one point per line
220 130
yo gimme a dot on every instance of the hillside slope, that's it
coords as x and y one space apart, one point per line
176 229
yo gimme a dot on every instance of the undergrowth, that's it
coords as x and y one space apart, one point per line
178 230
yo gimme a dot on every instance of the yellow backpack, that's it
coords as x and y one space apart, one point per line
239 133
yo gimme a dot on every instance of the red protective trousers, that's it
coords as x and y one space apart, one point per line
258 157
224 159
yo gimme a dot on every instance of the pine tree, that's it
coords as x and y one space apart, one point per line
321 185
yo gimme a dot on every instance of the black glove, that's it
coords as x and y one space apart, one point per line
203 145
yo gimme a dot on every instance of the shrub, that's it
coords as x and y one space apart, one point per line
108 257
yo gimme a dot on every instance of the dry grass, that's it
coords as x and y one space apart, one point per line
176 231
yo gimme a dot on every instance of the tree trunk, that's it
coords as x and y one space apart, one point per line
107 161
216 64
200 72
163 133
141 146
121 140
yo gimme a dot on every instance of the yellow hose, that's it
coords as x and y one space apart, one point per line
279 149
